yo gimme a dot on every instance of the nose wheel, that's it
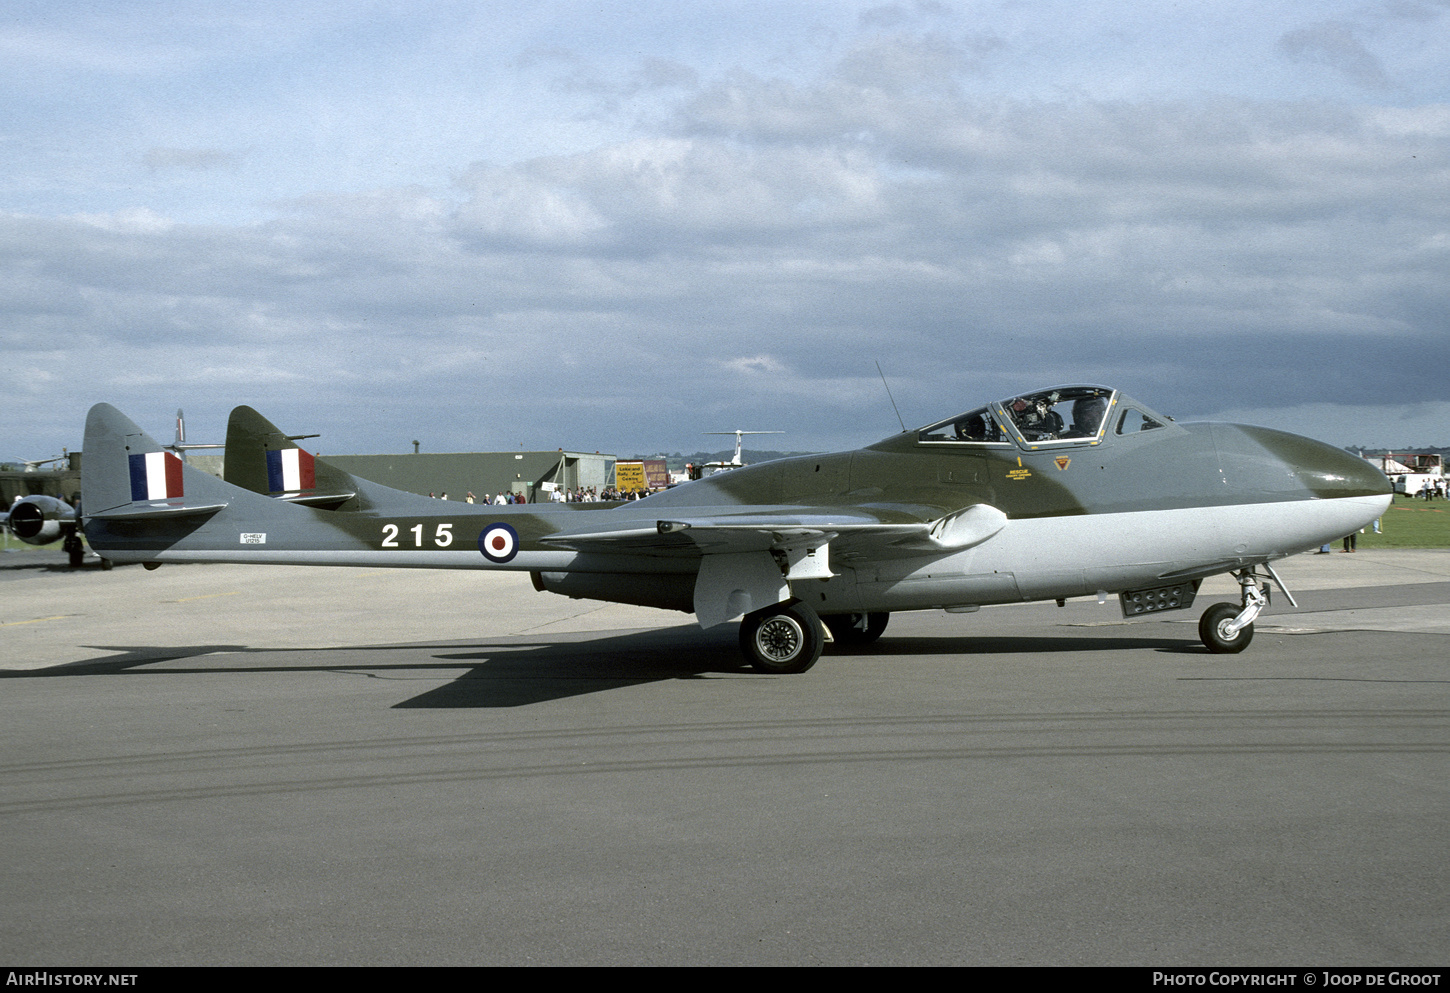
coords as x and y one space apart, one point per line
1216 628
1227 629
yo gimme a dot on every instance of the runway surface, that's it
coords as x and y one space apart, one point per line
254 765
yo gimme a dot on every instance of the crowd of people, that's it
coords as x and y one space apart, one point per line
579 494
590 495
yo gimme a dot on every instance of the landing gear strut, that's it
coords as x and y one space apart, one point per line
856 630
75 549
1226 629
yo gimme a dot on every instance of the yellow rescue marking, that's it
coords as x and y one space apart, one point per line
1062 461
205 596
57 617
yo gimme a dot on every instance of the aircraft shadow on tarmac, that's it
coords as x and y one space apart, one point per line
517 671
20 566
504 672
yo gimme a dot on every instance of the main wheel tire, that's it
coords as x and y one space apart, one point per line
1211 630
856 630
784 638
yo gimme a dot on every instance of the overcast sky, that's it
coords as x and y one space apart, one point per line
616 226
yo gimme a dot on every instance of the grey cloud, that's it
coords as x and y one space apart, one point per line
658 74
1201 255
573 73
895 15
1410 10
192 159
886 16
905 63
1333 44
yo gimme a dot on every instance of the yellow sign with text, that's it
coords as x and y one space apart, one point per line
629 475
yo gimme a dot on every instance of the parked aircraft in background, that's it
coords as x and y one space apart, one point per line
35 507
1065 492
40 520
736 460
181 446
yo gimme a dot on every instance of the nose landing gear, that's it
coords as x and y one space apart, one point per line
1226 629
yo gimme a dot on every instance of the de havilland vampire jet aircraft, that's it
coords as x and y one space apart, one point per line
1067 492
40 514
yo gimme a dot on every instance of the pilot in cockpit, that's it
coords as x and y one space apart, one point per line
977 426
1087 417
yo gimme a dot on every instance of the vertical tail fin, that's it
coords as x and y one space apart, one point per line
124 464
260 458
127 474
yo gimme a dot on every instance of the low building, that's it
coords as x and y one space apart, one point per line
20 480
535 475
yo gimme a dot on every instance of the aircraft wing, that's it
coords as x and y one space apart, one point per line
745 560
696 535
883 528
748 560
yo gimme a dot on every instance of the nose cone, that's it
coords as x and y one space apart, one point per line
1307 492
1267 461
1332 472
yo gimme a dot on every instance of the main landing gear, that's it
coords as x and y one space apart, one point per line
856 630
1226 629
783 638
788 637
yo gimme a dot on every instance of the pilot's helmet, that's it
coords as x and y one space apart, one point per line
1087 412
972 428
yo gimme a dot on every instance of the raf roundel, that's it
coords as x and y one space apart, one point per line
498 543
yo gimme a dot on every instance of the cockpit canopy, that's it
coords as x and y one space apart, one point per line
1061 415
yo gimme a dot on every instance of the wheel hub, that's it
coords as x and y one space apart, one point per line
780 639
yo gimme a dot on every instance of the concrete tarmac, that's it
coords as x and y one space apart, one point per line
208 765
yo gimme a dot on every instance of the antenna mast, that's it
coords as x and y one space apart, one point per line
890 397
